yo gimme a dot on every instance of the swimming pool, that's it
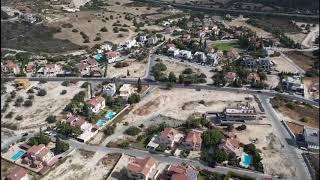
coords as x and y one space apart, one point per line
98 56
110 115
101 122
246 160
17 155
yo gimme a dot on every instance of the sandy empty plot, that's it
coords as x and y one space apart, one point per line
260 32
283 65
177 67
273 81
82 24
78 166
274 159
181 103
296 37
136 69
52 103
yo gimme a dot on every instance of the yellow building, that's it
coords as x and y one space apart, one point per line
22 83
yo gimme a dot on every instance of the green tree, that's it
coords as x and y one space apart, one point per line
172 77
212 137
134 98
139 86
60 146
51 119
109 130
220 155
42 92
133 131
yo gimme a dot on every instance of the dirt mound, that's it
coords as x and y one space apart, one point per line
148 107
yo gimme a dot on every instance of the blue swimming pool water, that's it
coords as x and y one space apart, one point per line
98 56
246 160
17 155
101 122
110 115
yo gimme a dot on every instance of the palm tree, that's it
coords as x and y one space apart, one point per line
105 69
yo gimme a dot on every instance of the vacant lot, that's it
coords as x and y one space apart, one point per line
283 65
23 36
260 32
52 103
312 86
303 114
295 128
225 46
136 69
304 60
83 165
274 159
181 103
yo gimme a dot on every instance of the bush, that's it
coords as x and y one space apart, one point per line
109 130
120 35
115 30
42 92
85 85
241 128
75 30
31 97
289 105
126 123
51 119
187 71
30 91
97 38
134 98
63 92
104 29
43 81
18 118
305 119
121 64
65 83
9 115
67 25
27 103
133 131
124 144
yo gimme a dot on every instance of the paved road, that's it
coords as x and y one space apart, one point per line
289 145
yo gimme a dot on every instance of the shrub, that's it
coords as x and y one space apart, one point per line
120 35
305 119
31 96
75 30
124 144
67 25
115 30
85 85
126 123
121 64
43 81
241 128
104 29
289 105
27 103
30 91
63 92
97 38
187 71
134 98
42 92
65 83
18 118
133 131
9 115
109 130
51 119
201 102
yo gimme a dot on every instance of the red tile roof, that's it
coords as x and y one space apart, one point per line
17 173
179 172
35 149
112 54
235 143
92 62
168 133
141 165
76 120
253 76
230 75
96 100
194 137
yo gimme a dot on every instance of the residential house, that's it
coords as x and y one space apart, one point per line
76 121
253 77
293 83
200 57
41 153
30 67
106 47
169 137
268 51
179 172
193 140
83 68
172 51
230 77
129 44
22 84
112 56
142 38
185 54
97 103
153 40
18 173
109 89
51 69
231 145
92 62
141 169
261 63
240 113
311 137
126 90
10 67
213 59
